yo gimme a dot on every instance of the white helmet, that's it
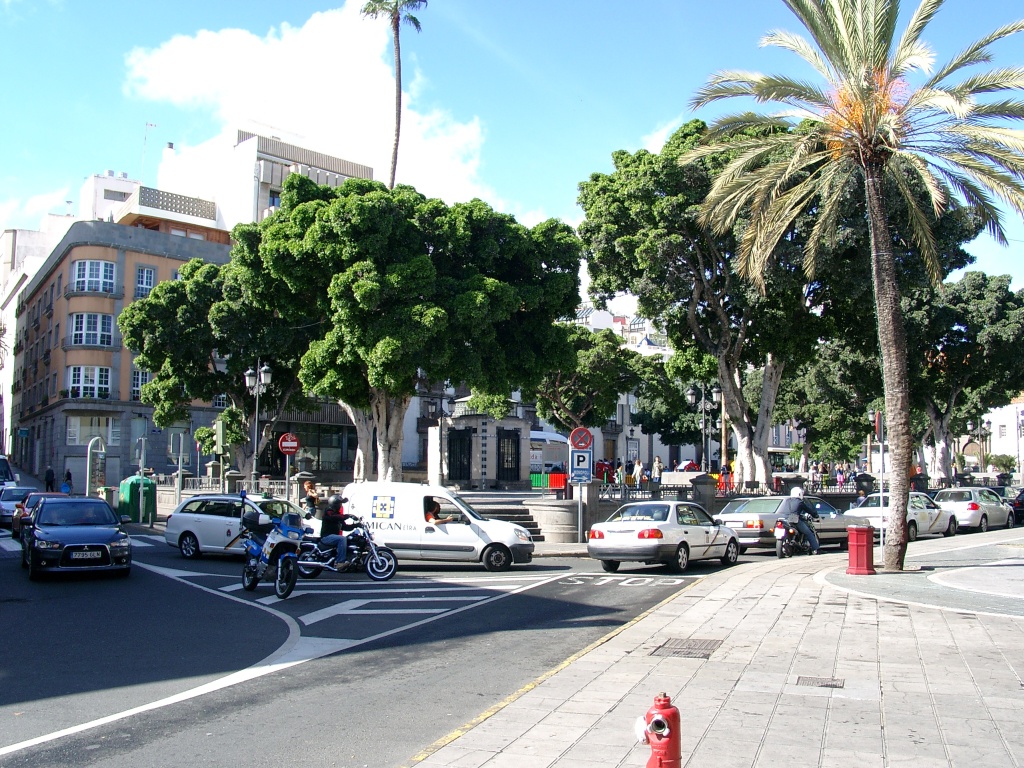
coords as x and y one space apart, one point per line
796 492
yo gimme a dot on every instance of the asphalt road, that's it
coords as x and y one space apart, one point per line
176 665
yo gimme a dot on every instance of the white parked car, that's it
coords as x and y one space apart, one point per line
976 507
208 523
670 532
924 516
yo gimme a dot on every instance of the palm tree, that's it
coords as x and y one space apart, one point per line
396 11
864 128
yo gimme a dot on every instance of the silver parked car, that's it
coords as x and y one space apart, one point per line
10 496
754 519
976 507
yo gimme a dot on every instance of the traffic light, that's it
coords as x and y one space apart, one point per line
220 440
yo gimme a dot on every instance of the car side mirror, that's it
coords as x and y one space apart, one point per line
264 519
307 529
125 519
308 516
717 521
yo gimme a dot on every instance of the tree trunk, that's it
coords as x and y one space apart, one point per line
395 22
363 422
389 420
892 339
772 378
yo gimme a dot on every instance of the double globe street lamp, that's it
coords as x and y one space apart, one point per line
705 407
877 421
980 434
257 384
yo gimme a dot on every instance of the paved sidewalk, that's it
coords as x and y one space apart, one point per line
812 667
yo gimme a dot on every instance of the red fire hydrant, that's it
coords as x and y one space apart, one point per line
660 729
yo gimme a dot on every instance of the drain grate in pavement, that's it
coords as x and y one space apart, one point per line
690 648
821 682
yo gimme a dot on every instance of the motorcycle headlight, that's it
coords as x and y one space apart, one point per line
44 544
294 535
523 535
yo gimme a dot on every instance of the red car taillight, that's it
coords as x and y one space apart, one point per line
650 533
596 534
972 506
755 523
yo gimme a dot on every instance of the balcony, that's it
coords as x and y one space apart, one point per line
91 393
49 309
46 357
611 428
69 342
115 292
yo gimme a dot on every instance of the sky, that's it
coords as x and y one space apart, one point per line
512 102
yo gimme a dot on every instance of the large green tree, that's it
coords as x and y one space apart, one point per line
870 125
965 355
198 335
643 236
406 291
585 389
396 12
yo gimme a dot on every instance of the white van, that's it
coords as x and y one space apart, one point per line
396 513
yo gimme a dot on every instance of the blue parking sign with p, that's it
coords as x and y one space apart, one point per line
581 466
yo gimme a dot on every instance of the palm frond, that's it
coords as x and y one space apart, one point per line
1006 109
725 85
937 193
975 53
799 45
941 99
834 180
920 226
824 32
1002 79
909 50
1012 140
979 199
729 125
1002 185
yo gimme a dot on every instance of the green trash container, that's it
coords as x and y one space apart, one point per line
128 498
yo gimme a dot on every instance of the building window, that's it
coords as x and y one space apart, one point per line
178 232
113 194
196 236
144 281
220 401
82 429
1002 430
88 381
91 328
139 378
274 199
93 276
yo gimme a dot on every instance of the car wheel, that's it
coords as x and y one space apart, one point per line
497 558
682 559
983 524
188 545
950 527
33 569
732 553
1010 521
844 545
911 531
610 566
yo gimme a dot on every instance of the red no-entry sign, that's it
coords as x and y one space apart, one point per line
288 443
581 438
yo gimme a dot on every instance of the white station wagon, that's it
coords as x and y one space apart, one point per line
924 516
669 532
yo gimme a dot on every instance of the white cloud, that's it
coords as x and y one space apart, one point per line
326 85
655 140
16 213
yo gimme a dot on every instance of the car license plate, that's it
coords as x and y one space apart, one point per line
85 555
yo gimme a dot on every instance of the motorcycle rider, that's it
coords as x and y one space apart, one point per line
792 507
334 526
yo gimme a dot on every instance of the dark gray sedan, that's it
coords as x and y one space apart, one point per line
68 534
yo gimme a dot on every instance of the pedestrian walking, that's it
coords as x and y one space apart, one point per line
68 482
50 478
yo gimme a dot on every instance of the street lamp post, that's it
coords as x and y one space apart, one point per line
705 407
983 431
257 385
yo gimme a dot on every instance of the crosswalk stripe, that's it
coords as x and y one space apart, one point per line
137 543
9 545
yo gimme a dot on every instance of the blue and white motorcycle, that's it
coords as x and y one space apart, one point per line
271 548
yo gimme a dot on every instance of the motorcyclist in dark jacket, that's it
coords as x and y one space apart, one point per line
793 507
335 525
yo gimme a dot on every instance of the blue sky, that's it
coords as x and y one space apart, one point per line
514 102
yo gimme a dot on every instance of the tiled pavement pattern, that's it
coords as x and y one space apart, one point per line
929 663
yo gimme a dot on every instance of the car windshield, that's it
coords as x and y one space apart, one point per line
14 494
278 507
652 512
461 504
78 513
761 506
875 501
953 496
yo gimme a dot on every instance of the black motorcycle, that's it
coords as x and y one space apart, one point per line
788 539
378 561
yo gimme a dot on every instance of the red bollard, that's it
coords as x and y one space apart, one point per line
663 735
862 550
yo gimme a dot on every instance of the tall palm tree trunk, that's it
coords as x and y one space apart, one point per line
395 21
892 338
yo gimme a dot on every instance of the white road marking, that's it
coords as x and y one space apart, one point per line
10 545
295 650
356 607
